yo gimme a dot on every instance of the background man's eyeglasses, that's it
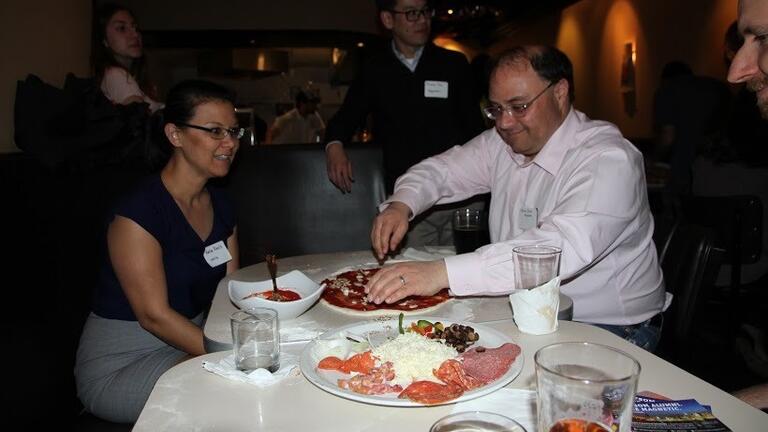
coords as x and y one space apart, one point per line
218 133
493 112
414 14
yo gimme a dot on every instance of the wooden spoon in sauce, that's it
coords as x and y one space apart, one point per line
272 267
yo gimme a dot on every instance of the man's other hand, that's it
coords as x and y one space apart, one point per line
339 167
389 228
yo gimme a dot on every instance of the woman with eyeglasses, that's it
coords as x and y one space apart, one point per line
117 55
168 244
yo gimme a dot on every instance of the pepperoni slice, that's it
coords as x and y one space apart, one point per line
430 393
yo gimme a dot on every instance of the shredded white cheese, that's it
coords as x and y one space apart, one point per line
413 357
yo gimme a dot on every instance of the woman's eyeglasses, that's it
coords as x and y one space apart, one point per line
218 133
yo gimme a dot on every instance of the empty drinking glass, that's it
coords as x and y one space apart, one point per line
256 339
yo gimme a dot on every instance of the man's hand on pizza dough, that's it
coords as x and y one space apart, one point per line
397 281
389 228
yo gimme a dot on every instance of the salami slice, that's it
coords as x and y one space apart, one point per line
489 364
451 372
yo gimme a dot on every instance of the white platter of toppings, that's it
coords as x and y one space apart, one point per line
432 362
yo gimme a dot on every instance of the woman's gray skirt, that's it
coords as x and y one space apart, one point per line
117 365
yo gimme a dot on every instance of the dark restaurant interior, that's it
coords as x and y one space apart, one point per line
57 187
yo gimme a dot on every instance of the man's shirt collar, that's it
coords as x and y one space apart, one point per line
410 63
550 158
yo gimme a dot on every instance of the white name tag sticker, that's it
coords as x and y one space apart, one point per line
529 217
436 89
217 254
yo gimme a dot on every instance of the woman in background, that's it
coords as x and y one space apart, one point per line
118 58
168 245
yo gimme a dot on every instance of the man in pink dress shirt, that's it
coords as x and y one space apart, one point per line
557 178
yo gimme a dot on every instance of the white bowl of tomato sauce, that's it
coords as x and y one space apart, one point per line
298 293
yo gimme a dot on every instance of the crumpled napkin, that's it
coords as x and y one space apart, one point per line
261 377
535 310
517 404
430 253
301 329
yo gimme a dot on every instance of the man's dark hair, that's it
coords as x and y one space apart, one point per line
301 98
385 5
305 97
550 64
388 5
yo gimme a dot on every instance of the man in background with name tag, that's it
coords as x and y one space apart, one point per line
422 100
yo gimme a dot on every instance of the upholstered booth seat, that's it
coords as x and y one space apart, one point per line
287 206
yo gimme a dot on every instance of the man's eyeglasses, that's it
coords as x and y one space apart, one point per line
413 15
494 112
218 133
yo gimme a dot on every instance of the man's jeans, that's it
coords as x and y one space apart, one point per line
646 335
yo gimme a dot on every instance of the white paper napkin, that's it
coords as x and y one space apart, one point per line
301 329
458 310
535 310
517 404
260 377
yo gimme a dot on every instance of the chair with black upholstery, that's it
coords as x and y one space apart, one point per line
287 206
690 267
664 229
738 224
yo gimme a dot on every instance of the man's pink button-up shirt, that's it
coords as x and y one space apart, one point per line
587 185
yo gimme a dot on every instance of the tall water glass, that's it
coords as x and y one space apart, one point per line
535 265
585 387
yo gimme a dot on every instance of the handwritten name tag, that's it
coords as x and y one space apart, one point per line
529 217
217 254
436 89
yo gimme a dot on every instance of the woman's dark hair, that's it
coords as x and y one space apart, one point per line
180 106
550 64
184 98
102 57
